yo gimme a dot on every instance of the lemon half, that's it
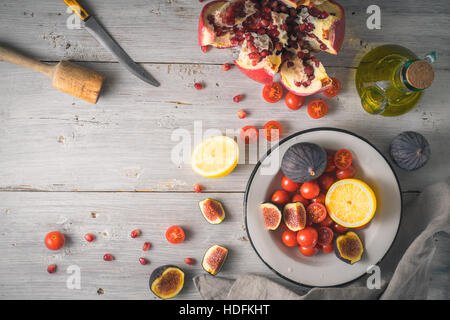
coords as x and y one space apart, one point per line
351 203
215 157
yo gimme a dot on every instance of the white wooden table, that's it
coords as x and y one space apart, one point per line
105 168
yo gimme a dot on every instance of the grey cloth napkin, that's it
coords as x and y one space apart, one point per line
404 270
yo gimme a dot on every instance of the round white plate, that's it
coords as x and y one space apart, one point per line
324 269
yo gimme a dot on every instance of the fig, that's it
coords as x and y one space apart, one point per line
166 281
348 247
214 259
212 210
294 216
410 150
272 215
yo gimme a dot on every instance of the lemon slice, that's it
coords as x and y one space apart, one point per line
351 203
215 157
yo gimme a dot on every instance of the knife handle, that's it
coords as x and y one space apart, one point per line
79 10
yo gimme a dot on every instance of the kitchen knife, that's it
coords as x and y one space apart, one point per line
99 33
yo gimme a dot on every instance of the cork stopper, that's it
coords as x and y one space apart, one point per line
420 74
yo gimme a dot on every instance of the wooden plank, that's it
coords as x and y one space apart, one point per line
166 30
52 141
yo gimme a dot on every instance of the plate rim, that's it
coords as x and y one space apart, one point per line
277 145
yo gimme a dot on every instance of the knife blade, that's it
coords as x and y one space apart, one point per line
99 33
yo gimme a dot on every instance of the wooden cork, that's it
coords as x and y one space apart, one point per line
420 74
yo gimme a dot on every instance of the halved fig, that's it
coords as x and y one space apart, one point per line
322 26
212 210
257 58
166 281
304 74
349 248
294 216
214 259
272 215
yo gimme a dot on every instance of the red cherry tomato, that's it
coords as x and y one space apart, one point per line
319 199
280 197
327 248
339 229
293 101
273 92
249 134
325 236
362 227
317 109
308 252
334 89
272 131
289 238
299 198
175 234
289 185
330 163
343 159
54 240
317 212
307 237
345 173
327 222
310 190
325 181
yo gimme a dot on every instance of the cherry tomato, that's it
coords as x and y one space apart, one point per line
343 159
319 199
54 240
317 109
334 89
327 222
339 229
330 163
325 181
289 185
307 237
272 131
293 101
325 236
310 190
362 227
289 238
345 173
309 252
280 197
299 198
273 92
327 248
175 235
317 212
249 134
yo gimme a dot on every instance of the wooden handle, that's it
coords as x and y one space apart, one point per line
79 10
12 56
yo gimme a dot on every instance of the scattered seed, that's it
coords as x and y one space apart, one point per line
197 188
238 98
135 233
241 114
108 257
226 67
198 86
51 268
205 49
89 237
143 261
189 261
146 246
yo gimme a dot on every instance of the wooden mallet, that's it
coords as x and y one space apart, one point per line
66 76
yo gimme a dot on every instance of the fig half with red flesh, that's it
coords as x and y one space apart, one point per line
304 76
212 211
294 216
214 259
258 59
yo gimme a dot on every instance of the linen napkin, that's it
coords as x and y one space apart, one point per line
404 269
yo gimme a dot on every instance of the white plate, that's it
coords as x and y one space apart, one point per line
325 269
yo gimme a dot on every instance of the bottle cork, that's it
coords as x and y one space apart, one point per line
420 74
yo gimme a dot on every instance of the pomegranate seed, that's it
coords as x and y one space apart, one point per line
238 98
189 261
198 86
241 114
143 261
226 67
51 268
135 233
89 237
205 49
146 246
197 188
108 257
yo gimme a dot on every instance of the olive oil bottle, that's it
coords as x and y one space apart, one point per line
391 79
